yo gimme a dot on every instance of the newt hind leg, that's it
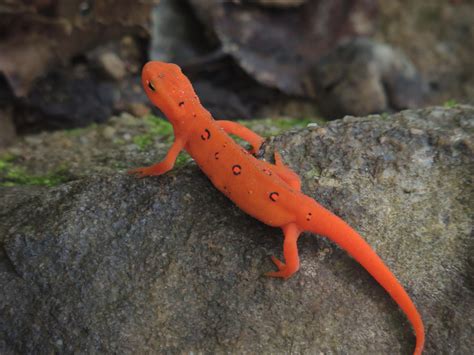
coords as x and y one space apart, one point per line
284 172
290 253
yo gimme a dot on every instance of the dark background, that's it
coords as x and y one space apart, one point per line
66 64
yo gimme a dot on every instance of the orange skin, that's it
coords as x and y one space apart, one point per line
269 192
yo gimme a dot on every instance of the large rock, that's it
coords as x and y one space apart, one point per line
110 263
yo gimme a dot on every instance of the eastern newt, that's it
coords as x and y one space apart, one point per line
269 192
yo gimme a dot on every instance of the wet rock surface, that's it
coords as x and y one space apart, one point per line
110 263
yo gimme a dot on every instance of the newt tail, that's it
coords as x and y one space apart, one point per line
269 192
338 231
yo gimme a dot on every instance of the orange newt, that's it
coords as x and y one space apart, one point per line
269 192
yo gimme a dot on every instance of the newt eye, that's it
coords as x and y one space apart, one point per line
150 85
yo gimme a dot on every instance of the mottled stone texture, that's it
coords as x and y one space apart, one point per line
115 264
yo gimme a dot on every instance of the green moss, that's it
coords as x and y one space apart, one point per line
156 127
6 158
450 103
3 165
6 162
76 132
270 127
182 159
159 126
143 141
385 115
14 175
286 123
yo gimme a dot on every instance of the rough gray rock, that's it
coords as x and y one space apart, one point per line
115 264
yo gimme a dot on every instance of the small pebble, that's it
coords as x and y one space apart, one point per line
112 65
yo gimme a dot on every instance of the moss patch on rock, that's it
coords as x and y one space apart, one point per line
13 174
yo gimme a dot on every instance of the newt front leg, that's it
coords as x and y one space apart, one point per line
163 166
242 132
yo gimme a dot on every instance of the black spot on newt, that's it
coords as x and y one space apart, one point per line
181 104
206 135
216 155
236 169
308 216
274 196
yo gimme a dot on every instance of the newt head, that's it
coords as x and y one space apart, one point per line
167 88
